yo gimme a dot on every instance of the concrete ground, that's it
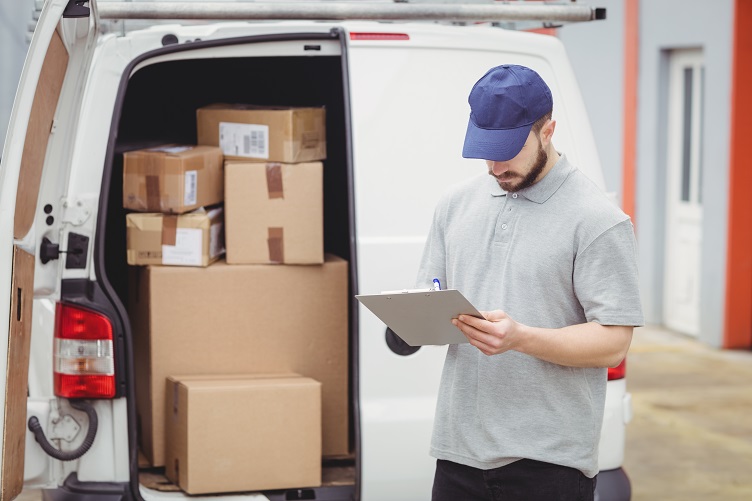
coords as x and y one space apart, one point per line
691 435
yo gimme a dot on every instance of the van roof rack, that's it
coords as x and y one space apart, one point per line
397 10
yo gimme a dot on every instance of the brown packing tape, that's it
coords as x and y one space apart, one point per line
154 163
310 139
274 180
153 198
276 245
169 229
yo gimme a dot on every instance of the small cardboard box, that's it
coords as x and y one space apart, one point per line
243 433
173 178
235 319
193 239
264 133
275 213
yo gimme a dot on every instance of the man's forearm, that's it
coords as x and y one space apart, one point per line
582 345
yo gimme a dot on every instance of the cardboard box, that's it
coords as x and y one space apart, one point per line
173 178
275 212
237 319
264 133
229 434
193 239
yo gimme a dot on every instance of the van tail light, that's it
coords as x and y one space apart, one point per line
379 36
84 363
618 372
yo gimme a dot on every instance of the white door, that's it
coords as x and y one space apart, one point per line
63 35
684 192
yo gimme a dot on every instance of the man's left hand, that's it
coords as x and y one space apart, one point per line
495 334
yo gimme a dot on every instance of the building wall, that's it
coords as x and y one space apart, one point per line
15 17
596 51
666 25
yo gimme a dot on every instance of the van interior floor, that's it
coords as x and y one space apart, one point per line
334 472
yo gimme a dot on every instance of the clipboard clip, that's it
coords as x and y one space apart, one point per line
406 291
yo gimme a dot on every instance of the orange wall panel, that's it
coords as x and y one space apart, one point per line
738 313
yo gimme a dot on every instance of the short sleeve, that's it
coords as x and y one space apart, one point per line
433 262
605 278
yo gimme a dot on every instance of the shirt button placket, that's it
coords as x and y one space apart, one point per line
504 224
501 217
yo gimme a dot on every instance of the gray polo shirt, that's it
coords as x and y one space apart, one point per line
555 254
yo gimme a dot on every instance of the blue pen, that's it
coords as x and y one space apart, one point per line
436 284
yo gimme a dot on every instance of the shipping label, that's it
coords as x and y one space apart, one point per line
187 248
244 140
191 182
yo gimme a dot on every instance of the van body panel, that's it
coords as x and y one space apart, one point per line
37 464
404 162
263 49
617 412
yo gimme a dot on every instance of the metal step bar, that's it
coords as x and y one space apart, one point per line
325 11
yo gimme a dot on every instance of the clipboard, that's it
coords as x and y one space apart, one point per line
421 317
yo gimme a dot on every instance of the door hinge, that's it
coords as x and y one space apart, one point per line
75 212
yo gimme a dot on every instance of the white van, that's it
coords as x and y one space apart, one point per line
395 95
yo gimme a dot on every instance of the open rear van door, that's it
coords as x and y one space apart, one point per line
59 54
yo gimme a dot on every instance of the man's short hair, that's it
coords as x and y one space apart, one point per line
538 125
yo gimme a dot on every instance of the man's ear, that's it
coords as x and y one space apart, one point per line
547 132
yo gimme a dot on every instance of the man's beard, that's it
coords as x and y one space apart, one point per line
538 165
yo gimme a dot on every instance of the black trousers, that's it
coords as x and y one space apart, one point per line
523 480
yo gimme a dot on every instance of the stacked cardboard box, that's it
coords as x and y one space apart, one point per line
235 319
264 133
275 213
166 184
172 179
273 180
243 433
192 239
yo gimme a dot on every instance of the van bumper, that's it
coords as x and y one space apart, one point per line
613 485
73 489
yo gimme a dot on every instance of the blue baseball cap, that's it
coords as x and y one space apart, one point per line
504 105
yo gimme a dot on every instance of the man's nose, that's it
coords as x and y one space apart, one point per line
499 168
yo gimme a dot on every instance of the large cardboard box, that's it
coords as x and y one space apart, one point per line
275 212
173 178
193 239
239 319
264 133
243 433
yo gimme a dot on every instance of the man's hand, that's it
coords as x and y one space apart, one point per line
496 334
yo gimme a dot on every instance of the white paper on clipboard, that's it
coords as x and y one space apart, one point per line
421 318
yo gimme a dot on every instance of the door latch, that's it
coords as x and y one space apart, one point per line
78 246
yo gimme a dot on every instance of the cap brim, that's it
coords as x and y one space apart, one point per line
494 144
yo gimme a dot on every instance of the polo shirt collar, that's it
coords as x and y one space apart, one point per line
543 189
